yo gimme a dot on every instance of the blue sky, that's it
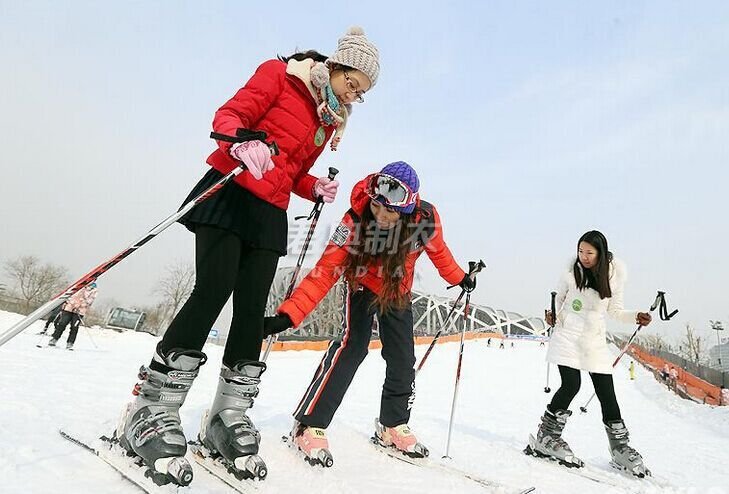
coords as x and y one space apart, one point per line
528 122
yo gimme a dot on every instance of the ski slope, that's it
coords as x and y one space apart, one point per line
500 401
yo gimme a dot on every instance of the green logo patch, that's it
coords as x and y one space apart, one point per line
320 136
577 305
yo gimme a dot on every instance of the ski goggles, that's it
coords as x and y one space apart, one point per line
390 191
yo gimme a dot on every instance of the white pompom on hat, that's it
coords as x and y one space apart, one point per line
356 51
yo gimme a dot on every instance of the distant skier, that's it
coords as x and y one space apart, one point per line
375 248
501 345
301 102
52 318
488 342
72 313
673 378
666 373
591 290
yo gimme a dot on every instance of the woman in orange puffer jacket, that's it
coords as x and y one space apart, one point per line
375 248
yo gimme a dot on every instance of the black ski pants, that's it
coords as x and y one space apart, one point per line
604 389
64 320
344 355
223 265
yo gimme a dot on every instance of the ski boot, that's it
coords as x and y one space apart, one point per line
69 346
400 438
549 442
52 342
623 456
312 442
227 432
150 425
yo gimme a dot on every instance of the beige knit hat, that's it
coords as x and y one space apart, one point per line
356 51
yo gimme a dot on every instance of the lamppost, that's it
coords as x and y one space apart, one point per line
717 326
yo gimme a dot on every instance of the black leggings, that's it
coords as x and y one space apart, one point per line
64 320
604 390
223 265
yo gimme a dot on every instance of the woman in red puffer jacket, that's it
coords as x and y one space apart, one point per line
300 102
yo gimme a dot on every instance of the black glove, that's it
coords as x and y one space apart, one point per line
468 283
276 324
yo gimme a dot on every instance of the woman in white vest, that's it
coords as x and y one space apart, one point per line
588 292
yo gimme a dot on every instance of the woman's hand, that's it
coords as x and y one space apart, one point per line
276 324
643 318
326 189
256 155
548 317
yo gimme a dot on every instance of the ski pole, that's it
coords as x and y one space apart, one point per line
458 375
547 389
88 330
242 136
474 269
314 217
664 315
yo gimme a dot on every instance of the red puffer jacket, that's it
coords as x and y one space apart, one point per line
279 103
332 263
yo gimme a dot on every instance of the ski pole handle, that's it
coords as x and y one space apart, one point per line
319 204
245 135
475 267
554 309
319 200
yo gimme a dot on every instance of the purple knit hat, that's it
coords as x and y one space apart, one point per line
405 174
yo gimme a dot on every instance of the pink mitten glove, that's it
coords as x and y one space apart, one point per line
326 189
255 155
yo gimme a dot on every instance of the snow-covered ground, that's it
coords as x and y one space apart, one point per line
500 401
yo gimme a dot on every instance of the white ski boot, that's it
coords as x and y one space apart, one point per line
226 430
623 456
150 425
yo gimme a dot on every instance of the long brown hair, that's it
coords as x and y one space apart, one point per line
597 278
373 246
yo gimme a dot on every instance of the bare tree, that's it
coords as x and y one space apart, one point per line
174 288
35 282
692 347
155 322
653 342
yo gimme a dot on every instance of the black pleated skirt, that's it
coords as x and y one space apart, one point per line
259 224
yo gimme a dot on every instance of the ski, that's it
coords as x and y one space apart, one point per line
585 472
618 478
650 479
114 456
217 467
425 463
